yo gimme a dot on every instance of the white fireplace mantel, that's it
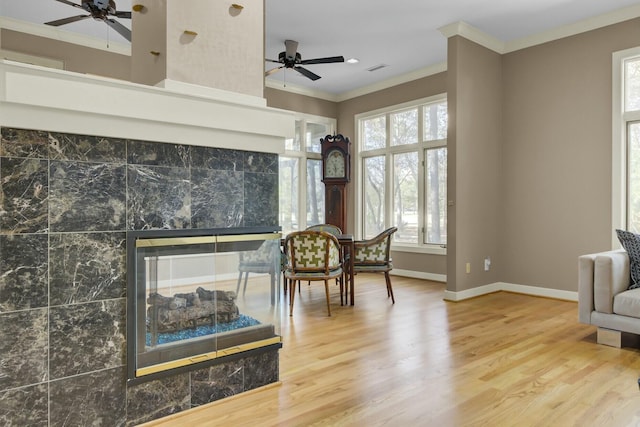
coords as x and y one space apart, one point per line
33 97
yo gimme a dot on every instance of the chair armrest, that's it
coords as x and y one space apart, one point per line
610 277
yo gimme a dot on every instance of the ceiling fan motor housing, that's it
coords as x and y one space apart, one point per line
288 61
99 7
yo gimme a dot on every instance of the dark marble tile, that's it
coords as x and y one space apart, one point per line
158 154
67 146
94 399
260 199
261 370
217 382
260 162
27 406
217 198
86 337
24 186
159 398
217 158
23 348
23 271
158 198
24 143
87 196
87 267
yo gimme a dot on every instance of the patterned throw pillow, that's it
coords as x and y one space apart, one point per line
631 243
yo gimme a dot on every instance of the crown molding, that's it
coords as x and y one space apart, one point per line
475 35
394 81
365 90
478 36
55 33
589 24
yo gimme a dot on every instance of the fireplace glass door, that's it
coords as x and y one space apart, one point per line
199 298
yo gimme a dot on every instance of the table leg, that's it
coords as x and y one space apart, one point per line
351 273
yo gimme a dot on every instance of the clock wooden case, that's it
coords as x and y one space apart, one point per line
336 173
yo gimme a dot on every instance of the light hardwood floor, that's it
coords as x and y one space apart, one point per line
502 359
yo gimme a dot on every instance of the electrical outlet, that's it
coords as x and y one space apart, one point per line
468 267
487 264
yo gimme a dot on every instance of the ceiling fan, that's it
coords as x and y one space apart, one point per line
100 10
290 58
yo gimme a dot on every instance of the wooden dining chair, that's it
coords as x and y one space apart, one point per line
372 256
265 259
336 231
329 228
313 256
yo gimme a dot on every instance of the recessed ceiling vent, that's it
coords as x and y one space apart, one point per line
377 67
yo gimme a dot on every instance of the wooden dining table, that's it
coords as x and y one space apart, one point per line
347 243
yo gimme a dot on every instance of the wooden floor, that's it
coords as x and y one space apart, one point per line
502 359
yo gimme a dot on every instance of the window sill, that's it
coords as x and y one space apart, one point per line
432 250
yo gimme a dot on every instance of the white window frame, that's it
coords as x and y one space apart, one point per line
620 119
388 151
303 156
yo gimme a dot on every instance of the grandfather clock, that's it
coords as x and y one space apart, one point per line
336 168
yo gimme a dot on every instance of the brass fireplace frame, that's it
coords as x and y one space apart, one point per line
197 353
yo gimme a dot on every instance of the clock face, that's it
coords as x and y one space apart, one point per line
334 166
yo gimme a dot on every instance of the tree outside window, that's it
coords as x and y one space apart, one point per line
403 159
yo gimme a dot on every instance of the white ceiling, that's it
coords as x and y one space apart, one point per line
403 34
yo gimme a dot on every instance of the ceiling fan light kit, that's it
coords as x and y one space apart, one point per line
137 7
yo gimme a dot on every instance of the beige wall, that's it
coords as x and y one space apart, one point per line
300 103
557 155
149 34
226 52
474 160
76 58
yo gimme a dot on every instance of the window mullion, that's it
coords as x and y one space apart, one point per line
421 177
388 178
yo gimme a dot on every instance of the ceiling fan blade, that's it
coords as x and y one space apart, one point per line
68 20
273 70
327 60
307 73
121 29
70 3
291 48
272 60
119 14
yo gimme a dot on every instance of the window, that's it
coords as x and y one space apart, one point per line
626 141
402 170
301 168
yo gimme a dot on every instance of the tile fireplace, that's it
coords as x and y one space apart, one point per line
85 164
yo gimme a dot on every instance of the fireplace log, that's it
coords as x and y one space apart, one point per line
191 310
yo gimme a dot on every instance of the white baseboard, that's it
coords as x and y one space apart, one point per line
510 287
419 275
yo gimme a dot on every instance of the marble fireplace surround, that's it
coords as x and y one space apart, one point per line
91 154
